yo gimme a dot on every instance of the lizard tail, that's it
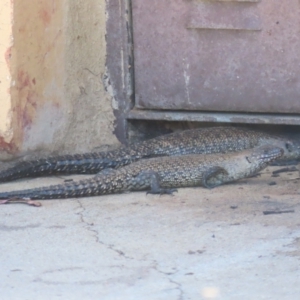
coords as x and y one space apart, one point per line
88 163
98 185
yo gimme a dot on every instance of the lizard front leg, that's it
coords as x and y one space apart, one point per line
150 180
210 175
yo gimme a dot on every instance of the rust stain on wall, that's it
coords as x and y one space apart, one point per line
45 16
9 147
37 63
26 109
8 56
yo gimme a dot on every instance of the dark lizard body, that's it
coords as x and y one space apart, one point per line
160 175
194 141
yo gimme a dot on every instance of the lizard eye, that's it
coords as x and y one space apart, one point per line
248 159
289 147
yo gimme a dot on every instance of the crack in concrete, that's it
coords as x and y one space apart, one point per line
96 234
178 285
16 228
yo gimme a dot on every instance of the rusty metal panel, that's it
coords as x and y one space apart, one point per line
237 56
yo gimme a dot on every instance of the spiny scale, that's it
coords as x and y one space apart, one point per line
194 141
159 174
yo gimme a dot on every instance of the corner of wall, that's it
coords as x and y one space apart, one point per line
53 60
6 132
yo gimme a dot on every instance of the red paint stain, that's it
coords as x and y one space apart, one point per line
7 56
8 147
31 99
23 80
22 30
23 117
45 16
26 119
26 109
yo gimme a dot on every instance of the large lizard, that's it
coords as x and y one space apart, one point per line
194 141
162 175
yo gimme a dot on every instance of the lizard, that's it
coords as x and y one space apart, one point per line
193 141
161 175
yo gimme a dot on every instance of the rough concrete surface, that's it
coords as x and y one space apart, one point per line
197 244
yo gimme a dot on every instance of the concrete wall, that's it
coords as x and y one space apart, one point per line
53 62
5 78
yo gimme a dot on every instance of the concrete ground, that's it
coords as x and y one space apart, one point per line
197 244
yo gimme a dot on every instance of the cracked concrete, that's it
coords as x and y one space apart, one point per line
197 244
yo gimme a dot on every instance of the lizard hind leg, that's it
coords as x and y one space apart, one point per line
150 179
209 178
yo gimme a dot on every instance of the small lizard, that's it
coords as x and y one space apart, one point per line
162 175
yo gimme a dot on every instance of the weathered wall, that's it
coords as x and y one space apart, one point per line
91 116
56 62
38 73
5 78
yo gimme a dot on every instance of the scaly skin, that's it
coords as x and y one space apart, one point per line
194 141
162 175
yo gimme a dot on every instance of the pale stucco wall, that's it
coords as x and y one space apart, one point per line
55 61
5 78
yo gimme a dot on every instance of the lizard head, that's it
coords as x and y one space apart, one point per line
265 154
